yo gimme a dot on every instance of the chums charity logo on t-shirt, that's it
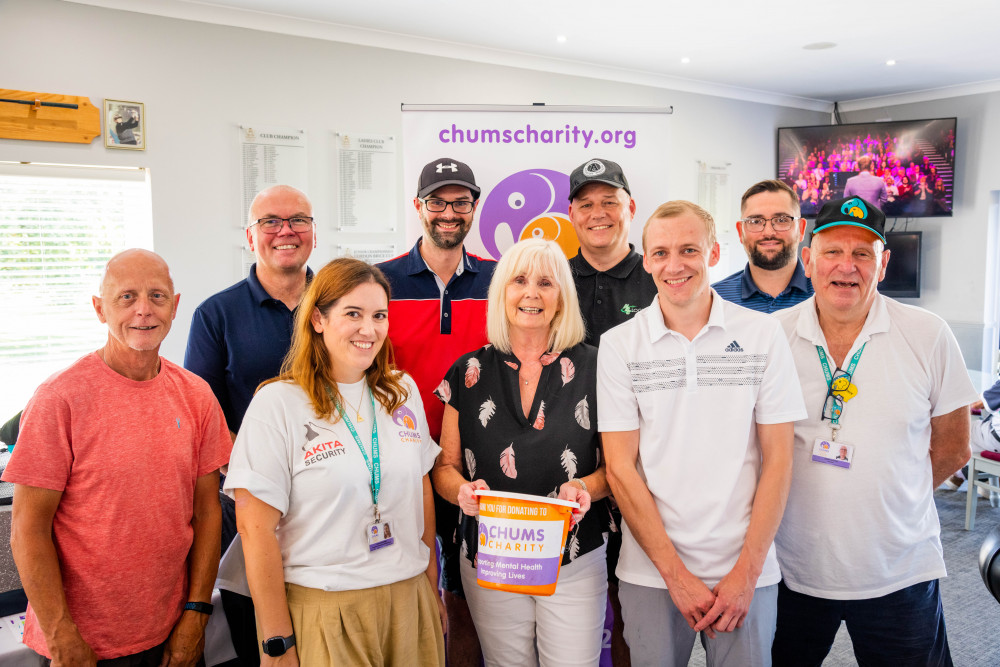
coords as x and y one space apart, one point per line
404 417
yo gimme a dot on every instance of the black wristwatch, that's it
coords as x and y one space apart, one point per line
200 607
276 646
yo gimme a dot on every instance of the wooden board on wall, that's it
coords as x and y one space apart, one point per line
23 121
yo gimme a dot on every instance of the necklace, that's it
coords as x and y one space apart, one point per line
357 410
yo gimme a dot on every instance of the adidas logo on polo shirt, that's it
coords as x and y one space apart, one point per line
734 347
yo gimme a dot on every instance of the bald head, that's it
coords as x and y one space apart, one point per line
137 302
278 197
133 263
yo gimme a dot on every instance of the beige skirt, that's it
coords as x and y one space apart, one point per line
396 624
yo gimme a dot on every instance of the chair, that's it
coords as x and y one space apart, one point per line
980 465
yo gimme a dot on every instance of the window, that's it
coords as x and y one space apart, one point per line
59 225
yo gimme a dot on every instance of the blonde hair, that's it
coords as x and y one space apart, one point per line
542 257
307 363
677 208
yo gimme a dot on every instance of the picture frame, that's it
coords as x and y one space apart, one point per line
124 125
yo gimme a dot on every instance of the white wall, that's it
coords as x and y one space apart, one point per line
955 249
200 81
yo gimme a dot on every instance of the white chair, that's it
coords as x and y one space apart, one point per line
980 465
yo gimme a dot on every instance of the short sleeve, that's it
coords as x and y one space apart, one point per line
449 391
261 458
951 386
429 449
43 456
617 406
780 397
216 445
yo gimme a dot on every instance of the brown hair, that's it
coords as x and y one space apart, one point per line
307 363
772 185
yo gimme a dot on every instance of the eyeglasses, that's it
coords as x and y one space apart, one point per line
779 223
461 206
833 405
274 225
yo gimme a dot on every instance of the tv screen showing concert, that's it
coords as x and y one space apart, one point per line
906 167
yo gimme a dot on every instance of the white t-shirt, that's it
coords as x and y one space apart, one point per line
872 529
312 471
696 405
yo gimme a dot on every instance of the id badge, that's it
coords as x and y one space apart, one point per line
833 453
380 535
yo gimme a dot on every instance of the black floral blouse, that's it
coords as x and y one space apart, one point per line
533 455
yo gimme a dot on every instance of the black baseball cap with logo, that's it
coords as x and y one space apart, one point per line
446 171
851 211
597 171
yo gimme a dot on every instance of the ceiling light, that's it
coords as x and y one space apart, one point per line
561 39
890 63
685 60
819 46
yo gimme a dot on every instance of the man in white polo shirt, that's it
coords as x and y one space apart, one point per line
696 397
885 382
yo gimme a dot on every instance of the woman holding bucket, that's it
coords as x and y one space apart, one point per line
520 417
333 500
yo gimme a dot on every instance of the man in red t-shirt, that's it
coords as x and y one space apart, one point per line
116 516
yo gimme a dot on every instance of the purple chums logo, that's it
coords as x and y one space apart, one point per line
403 416
529 204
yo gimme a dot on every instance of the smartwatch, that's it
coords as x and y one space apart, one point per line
276 646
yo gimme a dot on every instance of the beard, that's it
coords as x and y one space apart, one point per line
777 261
447 240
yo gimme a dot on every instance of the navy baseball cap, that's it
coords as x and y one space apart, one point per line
851 211
446 171
597 171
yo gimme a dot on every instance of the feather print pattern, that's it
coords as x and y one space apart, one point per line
512 365
443 391
486 411
472 372
568 370
574 546
507 462
540 419
568 461
582 414
548 358
470 463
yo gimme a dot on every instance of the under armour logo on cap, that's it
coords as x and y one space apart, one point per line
441 167
446 171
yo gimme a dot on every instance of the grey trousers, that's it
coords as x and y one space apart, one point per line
658 636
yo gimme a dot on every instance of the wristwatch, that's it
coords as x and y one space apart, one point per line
276 646
200 607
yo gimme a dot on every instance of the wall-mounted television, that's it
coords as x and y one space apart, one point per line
902 274
914 158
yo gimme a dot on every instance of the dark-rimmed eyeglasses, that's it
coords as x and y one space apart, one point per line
299 223
833 405
461 206
779 223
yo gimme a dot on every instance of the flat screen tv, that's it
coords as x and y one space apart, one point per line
902 275
915 159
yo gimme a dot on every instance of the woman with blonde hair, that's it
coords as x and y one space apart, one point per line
520 416
333 500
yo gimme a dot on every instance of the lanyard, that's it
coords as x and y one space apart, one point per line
374 463
851 367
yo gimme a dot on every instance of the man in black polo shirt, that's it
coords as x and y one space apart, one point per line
239 337
612 286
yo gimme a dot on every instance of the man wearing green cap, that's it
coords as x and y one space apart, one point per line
886 384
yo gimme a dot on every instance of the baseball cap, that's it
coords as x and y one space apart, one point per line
852 211
446 171
597 171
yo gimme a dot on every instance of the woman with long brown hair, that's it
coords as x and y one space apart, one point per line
333 499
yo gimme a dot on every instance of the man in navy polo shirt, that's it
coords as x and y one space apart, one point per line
771 230
437 314
239 337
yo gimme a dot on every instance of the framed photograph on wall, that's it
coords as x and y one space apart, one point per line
124 125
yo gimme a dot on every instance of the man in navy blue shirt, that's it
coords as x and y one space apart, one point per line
771 229
239 337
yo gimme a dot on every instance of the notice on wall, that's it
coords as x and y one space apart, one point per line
366 182
715 196
368 252
270 156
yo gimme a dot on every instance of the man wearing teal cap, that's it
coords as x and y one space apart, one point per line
888 400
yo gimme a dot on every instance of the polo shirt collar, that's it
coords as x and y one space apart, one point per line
260 294
658 328
415 264
807 326
798 281
621 270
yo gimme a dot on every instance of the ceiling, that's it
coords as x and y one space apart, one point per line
760 51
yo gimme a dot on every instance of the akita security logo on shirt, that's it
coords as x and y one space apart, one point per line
403 416
319 446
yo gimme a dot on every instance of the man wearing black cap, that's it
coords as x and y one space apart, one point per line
612 286
886 382
437 314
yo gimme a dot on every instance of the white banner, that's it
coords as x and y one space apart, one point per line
522 158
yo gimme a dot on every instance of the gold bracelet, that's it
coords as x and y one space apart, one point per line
583 484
